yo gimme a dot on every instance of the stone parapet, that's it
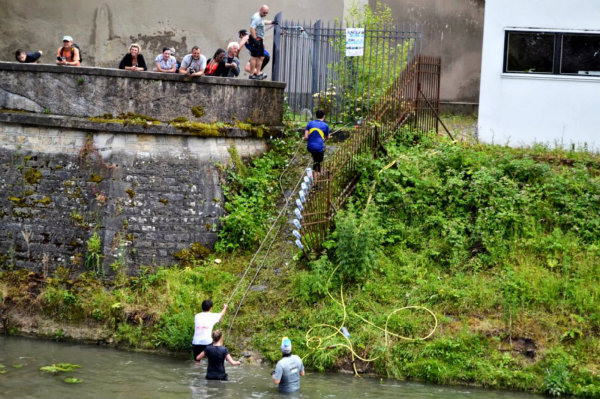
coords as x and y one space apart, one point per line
86 91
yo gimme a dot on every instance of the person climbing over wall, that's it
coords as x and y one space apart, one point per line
256 40
203 325
316 133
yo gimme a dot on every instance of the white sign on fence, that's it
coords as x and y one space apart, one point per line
355 42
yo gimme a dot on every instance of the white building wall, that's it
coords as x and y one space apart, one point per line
523 109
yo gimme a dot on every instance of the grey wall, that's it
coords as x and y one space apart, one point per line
86 91
453 30
148 195
104 29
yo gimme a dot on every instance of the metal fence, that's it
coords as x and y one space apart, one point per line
311 59
412 100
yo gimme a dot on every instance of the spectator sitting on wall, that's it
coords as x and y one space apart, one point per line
193 64
216 65
28 58
165 62
244 35
232 64
134 60
68 54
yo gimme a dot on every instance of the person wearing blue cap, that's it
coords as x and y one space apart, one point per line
288 370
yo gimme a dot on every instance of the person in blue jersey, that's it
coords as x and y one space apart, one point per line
316 133
288 370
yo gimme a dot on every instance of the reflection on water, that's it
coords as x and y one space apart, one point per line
118 374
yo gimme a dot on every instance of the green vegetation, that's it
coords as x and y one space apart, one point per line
59 368
93 256
128 118
361 81
501 244
251 194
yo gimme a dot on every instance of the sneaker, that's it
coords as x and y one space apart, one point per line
262 76
253 77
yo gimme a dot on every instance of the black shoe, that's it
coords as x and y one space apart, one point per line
262 76
254 77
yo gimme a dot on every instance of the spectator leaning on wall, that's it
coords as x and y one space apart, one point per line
68 54
28 58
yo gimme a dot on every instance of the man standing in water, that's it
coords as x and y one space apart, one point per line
289 369
203 325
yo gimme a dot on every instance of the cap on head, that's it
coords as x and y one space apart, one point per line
67 38
286 345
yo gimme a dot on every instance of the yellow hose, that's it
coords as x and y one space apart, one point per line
317 343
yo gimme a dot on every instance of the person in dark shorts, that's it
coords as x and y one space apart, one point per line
316 133
244 35
28 58
256 40
216 355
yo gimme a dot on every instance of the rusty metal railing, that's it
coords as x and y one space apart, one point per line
413 101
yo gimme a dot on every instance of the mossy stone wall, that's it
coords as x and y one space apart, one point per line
148 195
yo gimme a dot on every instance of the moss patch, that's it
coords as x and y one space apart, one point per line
32 176
196 251
126 119
46 200
202 129
18 201
94 178
198 111
179 119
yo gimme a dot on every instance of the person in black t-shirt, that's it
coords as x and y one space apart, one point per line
28 58
217 354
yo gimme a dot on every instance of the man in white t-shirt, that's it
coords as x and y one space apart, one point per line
203 325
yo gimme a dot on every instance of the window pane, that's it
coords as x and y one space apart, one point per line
530 52
580 54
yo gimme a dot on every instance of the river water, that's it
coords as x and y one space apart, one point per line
111 373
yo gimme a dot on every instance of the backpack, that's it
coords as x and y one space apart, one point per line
77 47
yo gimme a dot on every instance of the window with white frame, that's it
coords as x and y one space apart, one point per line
558 53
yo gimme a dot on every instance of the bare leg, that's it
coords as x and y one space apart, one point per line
259 65
253 65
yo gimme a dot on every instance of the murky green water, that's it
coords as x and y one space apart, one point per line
109 373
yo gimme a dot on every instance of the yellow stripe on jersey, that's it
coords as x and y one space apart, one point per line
316 129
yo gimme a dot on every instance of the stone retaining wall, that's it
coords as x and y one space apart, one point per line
148 192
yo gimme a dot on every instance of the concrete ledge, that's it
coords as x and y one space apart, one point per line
70 122
86 91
